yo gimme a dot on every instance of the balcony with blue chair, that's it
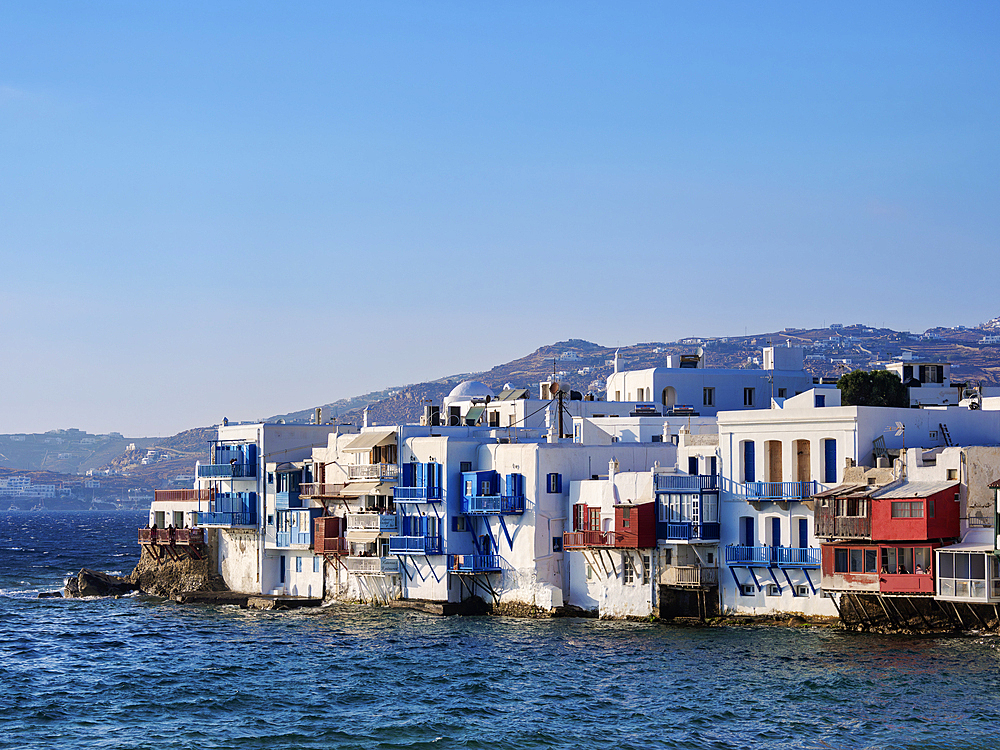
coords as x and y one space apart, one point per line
471 564
689 531
419 483
230 510
418 535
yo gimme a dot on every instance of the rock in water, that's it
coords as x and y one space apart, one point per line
93 583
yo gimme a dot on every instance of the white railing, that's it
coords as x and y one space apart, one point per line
372 565
690 575
381 523
372 471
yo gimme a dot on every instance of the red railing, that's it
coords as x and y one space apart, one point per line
579 539
183 496
332 545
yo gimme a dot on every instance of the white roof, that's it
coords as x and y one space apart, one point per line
976 540
469 390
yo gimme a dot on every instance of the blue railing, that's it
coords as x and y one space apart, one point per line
417 494
474 563
227 519
689 482
415 545
686 530
493 504
286 500
775 490
227 471
288 538
768 557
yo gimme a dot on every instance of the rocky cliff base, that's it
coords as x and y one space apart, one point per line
155 575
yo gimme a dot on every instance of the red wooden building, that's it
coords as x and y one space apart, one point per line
881 539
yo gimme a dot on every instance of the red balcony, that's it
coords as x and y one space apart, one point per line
184 496
635 526
172 536
328 536
585 539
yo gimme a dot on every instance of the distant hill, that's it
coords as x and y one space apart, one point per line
148 463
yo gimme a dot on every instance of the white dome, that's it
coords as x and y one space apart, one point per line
469 390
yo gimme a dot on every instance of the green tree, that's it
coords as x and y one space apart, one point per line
877 388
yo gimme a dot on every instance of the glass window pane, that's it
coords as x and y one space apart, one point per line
906 559
962 589
947 562
840 557
977 566
979 589
947 587
870 561
857 558
961 565
922 559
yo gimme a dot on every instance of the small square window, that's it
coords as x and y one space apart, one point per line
557 544
466 466
782 393
316 563
748 589
802 591
708 396
772 590
748 396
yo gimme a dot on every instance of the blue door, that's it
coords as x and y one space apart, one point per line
803 532
830 461
749 539
749 471
775 532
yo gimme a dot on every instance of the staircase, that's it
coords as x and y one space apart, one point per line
946 435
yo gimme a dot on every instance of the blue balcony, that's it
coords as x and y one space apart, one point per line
775 491
415 545
685 531
474 563
290 538
227 471
742 556
288 500
688 482
227 520
493 505
417 494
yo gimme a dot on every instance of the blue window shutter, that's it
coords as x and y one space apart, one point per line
407 475
749 470
830 461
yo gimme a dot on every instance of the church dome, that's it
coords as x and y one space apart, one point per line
468 390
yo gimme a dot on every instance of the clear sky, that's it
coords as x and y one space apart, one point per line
246 208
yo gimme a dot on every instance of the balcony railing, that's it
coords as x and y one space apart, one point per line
288 499
772 557
686 531
373 471
382 523
584 539
474 563
293 538
184 496
831 526
332 545
492 505
689 482
175 536
373 565
415 545
779 491
417 494
227 471
690 575
227 520
320 489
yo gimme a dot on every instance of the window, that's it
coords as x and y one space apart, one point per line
281 569
930 509
557 544
952 474
830 461
749 460
626 518
782 392
645 569
854 560
802 590
590 571
628 569
270 478
772 590
469 488
554 482
820 401
298 564
708 396
668 557
315 565
466 466
458 523
905 560
908 509
748 396
747 589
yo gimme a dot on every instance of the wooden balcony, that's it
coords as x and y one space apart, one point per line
172 536
587 539
690 576
831 526
332 545
184 496
320 489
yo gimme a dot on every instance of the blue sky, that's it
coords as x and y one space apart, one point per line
240 209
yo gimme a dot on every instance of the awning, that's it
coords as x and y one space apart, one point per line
362 536
472 416
368 440
357 489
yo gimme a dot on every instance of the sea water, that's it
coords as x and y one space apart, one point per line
141 672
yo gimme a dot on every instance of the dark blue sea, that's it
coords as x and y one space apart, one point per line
139 672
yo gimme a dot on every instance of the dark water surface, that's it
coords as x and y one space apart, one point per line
145 673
